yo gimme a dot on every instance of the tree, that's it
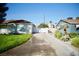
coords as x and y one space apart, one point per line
3 9
77 17
70 18
50 21
42 25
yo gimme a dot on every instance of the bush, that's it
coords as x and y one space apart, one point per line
58 34
72 35
65 38
75 41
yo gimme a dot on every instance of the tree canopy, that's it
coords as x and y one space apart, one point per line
77 17
3 9
42 25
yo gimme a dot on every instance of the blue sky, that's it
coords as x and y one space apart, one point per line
35 12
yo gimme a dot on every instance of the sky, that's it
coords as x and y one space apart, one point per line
37 12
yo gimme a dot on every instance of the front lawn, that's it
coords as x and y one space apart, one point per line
10 41
73 37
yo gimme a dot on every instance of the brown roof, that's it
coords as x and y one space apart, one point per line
14 21
72 21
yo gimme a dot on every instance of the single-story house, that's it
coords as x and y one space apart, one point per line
70 25
16 26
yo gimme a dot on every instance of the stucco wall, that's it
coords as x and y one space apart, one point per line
21 28
71 27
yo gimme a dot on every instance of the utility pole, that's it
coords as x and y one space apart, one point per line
44 19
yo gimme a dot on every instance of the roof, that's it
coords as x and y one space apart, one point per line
34 25
14 21
69 21
73 21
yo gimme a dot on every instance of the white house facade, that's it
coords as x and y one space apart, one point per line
16 26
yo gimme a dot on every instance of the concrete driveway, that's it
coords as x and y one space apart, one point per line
42 44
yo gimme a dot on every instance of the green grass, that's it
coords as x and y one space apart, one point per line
72 35
75 41
10 41
58 35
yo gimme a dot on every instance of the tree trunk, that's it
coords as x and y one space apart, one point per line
65 31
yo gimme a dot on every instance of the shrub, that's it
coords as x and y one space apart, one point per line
75 41
58 34
72 35
65 38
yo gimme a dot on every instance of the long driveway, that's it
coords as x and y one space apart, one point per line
42 44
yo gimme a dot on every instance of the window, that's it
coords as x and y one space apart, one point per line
77 27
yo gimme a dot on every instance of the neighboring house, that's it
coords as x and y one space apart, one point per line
16 26
71 25
50 24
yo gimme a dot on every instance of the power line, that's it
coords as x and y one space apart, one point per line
44 19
